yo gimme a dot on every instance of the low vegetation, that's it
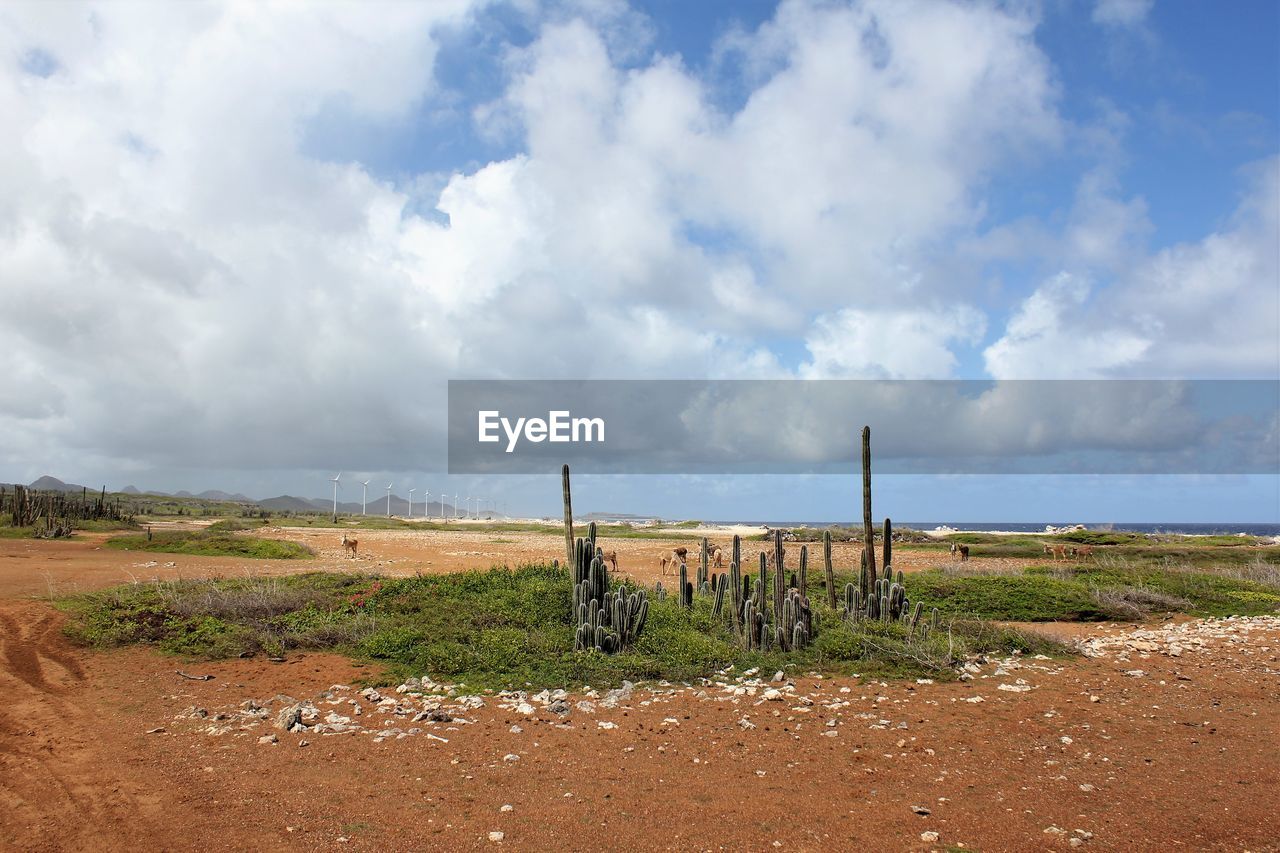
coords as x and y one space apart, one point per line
1111 589
492 629
211 542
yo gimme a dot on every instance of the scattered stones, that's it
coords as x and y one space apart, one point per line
921 810
497 835
929 837
266 739
289 717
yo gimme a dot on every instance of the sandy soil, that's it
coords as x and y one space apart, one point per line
100 751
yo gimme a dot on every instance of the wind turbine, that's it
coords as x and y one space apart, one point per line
389 485
455 506
411 491
364 497
426 503
335 496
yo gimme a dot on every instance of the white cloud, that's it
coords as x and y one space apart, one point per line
1121 13
1209 308
165 240
906 344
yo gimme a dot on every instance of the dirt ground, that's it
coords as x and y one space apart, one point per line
1155 744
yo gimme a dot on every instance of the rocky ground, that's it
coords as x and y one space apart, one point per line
1156 737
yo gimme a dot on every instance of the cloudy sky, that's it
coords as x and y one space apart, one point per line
243 245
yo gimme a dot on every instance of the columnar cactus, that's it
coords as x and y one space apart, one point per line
702 564
721 586
686 588
868 532
804 569
606 621
830 569
779 583
887 546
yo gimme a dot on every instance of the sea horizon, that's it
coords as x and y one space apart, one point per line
1190 528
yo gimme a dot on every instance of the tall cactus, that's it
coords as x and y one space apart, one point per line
568 516
720 587
868 532
804 570
702 564
829 568
779 579
887 545
735 581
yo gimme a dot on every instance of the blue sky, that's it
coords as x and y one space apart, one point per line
245 244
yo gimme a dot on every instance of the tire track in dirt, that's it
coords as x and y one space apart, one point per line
56 783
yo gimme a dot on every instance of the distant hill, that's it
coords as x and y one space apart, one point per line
219 495
282 503
53 484
288 503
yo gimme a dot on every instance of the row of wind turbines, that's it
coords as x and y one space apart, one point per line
364 501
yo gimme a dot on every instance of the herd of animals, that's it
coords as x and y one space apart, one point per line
676 557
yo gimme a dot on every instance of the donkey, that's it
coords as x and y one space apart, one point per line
1057 549
349 544
960 550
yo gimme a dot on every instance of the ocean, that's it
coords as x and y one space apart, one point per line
1217 528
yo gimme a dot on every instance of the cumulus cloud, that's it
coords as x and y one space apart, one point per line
908 344
187 284
1208 308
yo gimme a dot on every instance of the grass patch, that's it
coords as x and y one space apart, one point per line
1113 589
492 629
212 543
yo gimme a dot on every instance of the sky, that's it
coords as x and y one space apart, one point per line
244 245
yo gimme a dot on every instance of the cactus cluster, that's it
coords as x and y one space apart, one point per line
607 621
884 599
769 612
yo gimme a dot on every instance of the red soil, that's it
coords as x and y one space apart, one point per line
1181 757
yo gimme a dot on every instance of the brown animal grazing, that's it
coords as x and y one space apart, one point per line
610 557
1082 551
1059 551
349 545
671 558
960 550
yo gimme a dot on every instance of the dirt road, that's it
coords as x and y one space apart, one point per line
1180 756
